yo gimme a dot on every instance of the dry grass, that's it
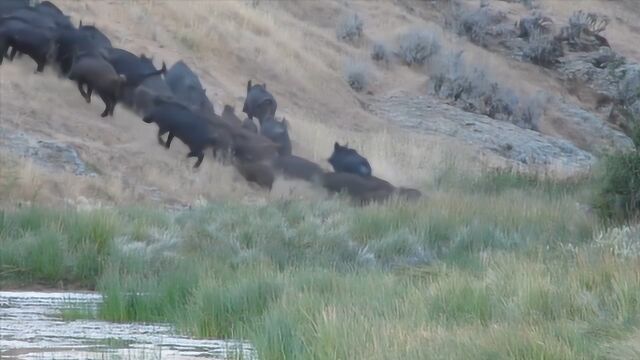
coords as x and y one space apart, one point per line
301 63
303 69
290 46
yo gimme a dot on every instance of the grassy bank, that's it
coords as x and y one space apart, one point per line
498 266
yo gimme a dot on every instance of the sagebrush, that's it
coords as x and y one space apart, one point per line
416 46
542 50
379 53
480 25
357 74
473 89
350 28
584 31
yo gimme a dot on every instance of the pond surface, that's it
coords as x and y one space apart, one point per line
31 327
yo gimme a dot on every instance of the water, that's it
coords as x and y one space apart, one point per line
31 327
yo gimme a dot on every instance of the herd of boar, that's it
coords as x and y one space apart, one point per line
175 100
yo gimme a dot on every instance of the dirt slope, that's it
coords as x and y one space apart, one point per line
290 45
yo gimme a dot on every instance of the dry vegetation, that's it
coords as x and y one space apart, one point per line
304 69
295 50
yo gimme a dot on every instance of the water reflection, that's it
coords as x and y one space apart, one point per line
31 327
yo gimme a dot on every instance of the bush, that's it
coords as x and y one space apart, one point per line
357 75
530 111
535 23
350 28
379 53
528 3
417 46
629 88
619 195
583 31
626 109
590 22
542 50
479 25
473 90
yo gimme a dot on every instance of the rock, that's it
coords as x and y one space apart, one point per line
598 71
608 81
46 153
595 135
426 114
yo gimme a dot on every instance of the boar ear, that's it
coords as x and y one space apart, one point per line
285 123
336 146
264 86
248 85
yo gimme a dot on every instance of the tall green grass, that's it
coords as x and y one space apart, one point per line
499 266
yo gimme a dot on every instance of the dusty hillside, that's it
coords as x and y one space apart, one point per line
292 46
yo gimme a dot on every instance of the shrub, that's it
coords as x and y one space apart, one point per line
528 3
379 53
417 46
542 50
350 28
473 90
590 22
478 25
530 111
619 195
626 109
357 75
629 88
536 23
583 31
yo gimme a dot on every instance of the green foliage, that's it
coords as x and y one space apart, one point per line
495 266
55 247
618 196
224 310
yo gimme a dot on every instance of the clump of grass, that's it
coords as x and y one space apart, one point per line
73 312
350 28
621 242
228 309
49 246
138 289
417 46
357 75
